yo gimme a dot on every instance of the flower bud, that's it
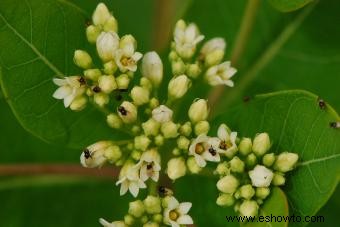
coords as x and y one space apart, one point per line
152 68
262 192
94 155
139 95
159 140
251 160
236 165
110 67
129 220
245 146
114 121
286 161
123 81
146 83
169 129
157 218
279 179
151 224
144 219
107 44
92 33
136 129
176 168
247 191
222 169
193 70
113 153
198 110
225 200
173 56
249 208
152 205
268 159
176 152
78 103
261 144
151 127
154 103
213 51
107 84
92 74
82 59
202 127
183 143
192 165
185 129
101 14
128 42
101 99
136 155
111 25
178 86
228 184
127 112
136 208
105 223
142 142
162 114
261 176
178 67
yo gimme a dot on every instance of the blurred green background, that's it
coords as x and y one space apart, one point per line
308 59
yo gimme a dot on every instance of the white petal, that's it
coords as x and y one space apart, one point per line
134 189
233 136
184 208
124 188
200 161
68 100
174 224
222 132
62 92
137 56
143 173
59 82
172 203
185 220
229 83
155 176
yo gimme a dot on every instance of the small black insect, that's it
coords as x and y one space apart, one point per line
96 89
246 98
87 154
322 103
212 151
122 110
149 166
163 191
334 124
88 23
82 81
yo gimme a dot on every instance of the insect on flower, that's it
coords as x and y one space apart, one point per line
322 103
122 110
87 154
96 89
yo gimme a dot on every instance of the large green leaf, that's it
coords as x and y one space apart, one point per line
296 123
291 5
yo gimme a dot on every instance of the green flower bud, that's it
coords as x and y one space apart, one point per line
113 153
146 84
222 169
185 129
169 129
173 56
82 59
136 129
101 14
140 95
136 155
202 127
151 224
176 152
225 200
110 67
92 33
228 184
92 74
157 218
111 25
247 191
278 179
127 112
262 192
192 165
78 103
142 142
144 219
198 111
178 67
214 58
286 161
251 160
152 68
128 219
123 81
154 103
151 127
261 144
159 140
237 165
178 86
268 159
176 168
193 70
183 143
136 208
101 99
107 84
245 146
249 208
114 121
152 205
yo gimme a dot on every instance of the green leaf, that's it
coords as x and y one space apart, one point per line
296 123
289 5
276 205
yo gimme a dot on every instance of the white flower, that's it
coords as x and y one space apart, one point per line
228 140
129 180
261 176
152 67
176 213
107 45
205 148
186 38
212 51
126 57
149 165
105 223
162 114
220 74
69 89
94 155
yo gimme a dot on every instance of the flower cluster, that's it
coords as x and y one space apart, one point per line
128 95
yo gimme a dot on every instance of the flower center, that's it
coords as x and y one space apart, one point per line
173 215
224 145
199 148
149 166
127 61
